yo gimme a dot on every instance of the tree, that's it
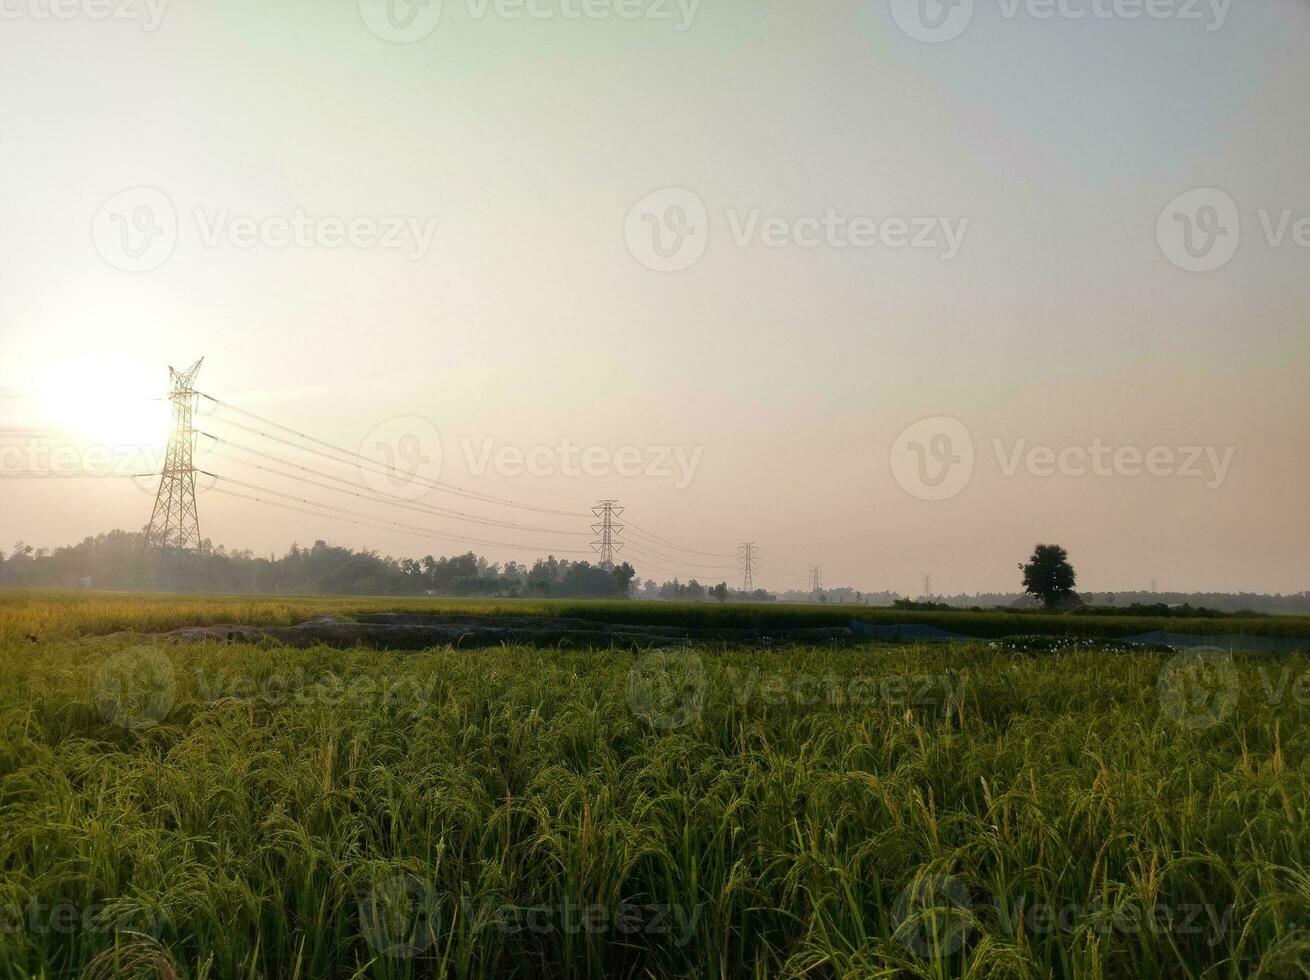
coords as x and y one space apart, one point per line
622 576
1049 576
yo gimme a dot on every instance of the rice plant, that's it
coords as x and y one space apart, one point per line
224 811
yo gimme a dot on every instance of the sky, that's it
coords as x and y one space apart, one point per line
886 286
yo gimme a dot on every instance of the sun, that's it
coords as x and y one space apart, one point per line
110 399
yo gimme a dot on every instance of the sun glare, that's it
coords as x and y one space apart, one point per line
110 399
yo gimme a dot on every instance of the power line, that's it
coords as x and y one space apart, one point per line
333 517
645 549
783 574
676 547
76 476
370 493
641 561
370 465
390 471
379 469
419 529
676 573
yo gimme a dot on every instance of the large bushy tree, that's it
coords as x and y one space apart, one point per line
1049 576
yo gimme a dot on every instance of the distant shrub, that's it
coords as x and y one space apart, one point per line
915 605
1161 610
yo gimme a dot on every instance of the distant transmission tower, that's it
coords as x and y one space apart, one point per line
607 547
174 533
816 579
748 556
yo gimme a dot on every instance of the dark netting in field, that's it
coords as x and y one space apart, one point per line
1233 642
910 634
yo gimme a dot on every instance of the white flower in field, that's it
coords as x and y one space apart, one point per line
1199 688
667 690
135 688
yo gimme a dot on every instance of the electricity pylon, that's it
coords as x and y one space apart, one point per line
748 556
173 536
816 579
607 547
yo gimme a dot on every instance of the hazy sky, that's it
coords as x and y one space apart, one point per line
988 229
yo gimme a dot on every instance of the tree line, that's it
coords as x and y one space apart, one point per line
109 561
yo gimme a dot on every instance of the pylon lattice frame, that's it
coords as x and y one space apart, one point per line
607 544
748 556
173 536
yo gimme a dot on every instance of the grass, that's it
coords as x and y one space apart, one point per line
261 812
